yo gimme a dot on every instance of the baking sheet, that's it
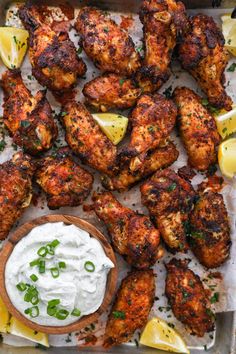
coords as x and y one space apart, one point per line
227 287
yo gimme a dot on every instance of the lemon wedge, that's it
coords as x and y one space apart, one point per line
158 334
4 317
229 32
113 125
227 157
226 122
13 46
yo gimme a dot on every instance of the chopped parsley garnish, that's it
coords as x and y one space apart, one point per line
119 314
215 298
24 123
2 145
171 187
232 67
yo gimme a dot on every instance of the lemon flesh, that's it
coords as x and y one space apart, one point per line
113 125
13 46
158 334
226 122
229 32
4 317
227 157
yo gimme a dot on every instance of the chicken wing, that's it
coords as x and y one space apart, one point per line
202 53
111 91
15 190
210 231
162 21
169 199
133 235
29 119
163 156
64 181
53 56
110 47
131 308
152 120
86 139
188 298
197 129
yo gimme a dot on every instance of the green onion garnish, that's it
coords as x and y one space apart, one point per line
54 243
34 300
89 266
54 302
34 277
55 272
34 263
76 312
62 265
27 297
51 311
32 311
62 314
50 249
42 252
41 266
21 286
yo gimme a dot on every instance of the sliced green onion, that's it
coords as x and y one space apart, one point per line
54 243
42 252
53 302
55 272
50 249
76 312
21 286
89 266
41 266
32 311
27 297
62 314
34 263
51 311
34 277
62 265
34 300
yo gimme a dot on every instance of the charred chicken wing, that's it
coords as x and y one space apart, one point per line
29 119
111 91
110 47
188 298
202 53
169 199
133 235
131 308
86 139
162 21
210 232
64 181
15 190
197 129
53 56
161 157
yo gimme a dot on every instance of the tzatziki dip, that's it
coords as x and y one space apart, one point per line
56 274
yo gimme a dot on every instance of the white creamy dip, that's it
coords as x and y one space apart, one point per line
75 287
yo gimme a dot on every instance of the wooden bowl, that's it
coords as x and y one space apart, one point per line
23 231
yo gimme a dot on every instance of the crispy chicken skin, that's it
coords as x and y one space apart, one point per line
110 47
169 199
163 156
15 190
197 129
55 63
133 235
188 298
111 91
86 139
63 180
210 232
28 118
162 22
152 120
202 53
131 308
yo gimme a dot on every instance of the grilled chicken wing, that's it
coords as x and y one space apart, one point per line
15 190
64 181
53 56
162 21
131 308
202 53
169 199
188 298
163 156
111 91
133 235
197 129
152 120
110 47
29 119
86 139
210 232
